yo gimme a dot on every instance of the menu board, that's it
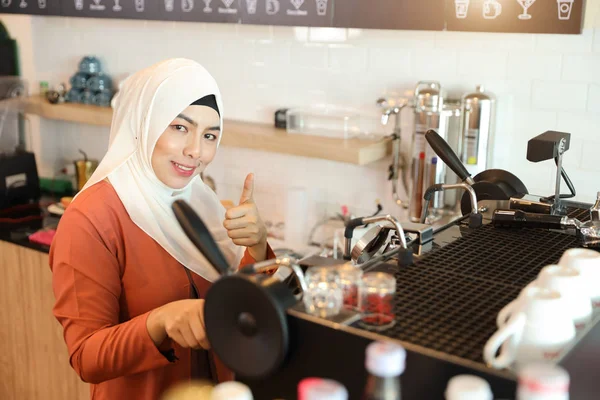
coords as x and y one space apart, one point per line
514 16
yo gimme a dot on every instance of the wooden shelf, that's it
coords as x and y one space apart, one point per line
249 135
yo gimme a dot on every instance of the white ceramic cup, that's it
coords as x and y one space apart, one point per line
510 308
587 262
572 286
539 328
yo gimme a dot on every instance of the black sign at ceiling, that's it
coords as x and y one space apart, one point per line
513 16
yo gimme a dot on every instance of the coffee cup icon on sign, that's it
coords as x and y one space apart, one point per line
188 5
564 9
6 3
169 5
491 9
461 8
140 5
321 7
42 4
251 6
272 7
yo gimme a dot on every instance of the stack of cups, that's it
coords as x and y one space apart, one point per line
587 263
544 319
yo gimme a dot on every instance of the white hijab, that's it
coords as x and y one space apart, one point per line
146 104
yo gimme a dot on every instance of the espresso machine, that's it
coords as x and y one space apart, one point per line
445 309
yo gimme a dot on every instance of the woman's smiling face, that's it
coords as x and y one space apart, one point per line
187 146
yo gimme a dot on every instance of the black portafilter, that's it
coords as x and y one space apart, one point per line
197 232
448 156
245 312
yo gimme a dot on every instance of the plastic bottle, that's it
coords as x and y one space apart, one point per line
231 391
385 362
321 389
468 387
543 382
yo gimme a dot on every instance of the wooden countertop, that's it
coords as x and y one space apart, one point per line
250 135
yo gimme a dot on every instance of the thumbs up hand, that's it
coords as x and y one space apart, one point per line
244 225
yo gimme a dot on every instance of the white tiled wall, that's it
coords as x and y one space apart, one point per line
542 82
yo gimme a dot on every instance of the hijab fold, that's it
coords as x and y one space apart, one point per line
146 104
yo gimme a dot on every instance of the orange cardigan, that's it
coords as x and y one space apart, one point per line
107 277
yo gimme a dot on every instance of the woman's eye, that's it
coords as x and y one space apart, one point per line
180 128
210 136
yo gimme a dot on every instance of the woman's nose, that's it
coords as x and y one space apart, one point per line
193 148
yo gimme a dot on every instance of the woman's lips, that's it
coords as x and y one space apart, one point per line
183 170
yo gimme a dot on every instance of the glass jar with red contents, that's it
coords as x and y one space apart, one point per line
376 303
350 280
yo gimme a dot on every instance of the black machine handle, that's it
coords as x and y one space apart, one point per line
448 156
197 232
521 219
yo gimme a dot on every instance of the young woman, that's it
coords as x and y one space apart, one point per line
128 282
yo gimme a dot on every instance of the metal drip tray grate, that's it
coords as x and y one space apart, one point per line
581 214
448 300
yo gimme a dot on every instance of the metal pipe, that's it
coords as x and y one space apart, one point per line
392 220
469 189
348 232
289 262
395 169
595 210
561 150
440 187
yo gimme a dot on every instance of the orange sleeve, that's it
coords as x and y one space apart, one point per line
86 280
247 259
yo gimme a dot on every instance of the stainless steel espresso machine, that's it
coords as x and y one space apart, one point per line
448 295
451 282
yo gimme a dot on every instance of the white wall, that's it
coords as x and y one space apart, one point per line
542 82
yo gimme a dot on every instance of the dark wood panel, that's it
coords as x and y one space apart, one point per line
34 361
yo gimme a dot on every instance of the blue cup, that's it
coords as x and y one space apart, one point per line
79 80
74 95
103 98
87 97
90 65
99 83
